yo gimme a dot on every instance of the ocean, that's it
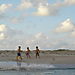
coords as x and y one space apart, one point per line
21 68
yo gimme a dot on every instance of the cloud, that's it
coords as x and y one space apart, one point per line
41 35
46 9
64 3
66 26
45 42
69 2
39 39
2 36
43 7
42 11
35 3
4 7
10 36
8 32
2 28
24 5
3 11
58 3
62 45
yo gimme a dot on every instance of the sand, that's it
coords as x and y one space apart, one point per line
46 57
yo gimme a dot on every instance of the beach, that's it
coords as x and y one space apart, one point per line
46 57
49 63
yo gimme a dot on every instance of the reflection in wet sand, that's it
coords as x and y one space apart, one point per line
19 64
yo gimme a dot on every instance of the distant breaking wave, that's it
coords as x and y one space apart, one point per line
15 66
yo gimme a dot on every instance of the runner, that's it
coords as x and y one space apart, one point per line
28 53
37 52
19 53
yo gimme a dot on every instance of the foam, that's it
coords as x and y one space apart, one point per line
15 66
23 66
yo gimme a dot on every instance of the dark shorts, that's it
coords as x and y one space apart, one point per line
37 54
18 54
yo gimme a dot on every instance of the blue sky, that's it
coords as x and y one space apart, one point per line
46 23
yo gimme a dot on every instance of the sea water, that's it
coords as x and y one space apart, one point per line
20 68
49 72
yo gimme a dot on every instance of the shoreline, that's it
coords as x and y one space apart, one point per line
46 57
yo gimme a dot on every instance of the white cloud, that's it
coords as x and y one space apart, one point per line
9 36
64 3
46 10
43 7
69 2
3 31
8 32
2 36
41 35
42 11
25 4
2 28
38 2
66 26
45 42
39 39
4 7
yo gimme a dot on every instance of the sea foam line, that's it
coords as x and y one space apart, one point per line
31 66
24 66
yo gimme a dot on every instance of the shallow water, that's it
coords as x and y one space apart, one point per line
20 68
48 72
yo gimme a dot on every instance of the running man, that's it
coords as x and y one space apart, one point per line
19 53
37 52
28 53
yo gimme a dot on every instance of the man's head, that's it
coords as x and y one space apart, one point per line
19 47
36 47
27 47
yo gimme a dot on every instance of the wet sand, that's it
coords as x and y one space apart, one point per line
46 57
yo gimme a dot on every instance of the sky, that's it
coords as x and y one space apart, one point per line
49 24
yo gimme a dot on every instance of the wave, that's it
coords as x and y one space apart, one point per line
23 66
15 66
